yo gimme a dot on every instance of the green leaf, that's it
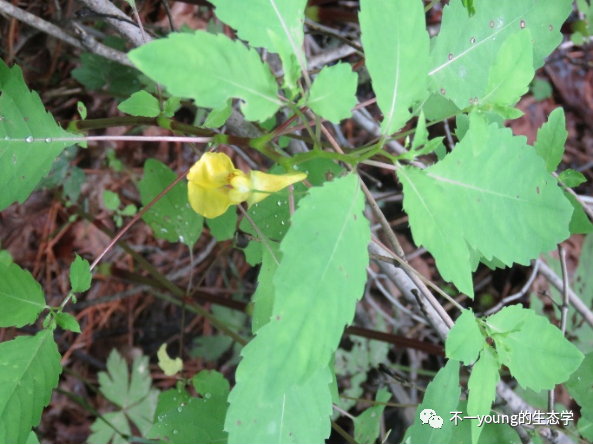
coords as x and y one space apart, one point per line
218 117
166 363
333 93
396 48
461 125
586 428
579 223
129 210
111 200
465 340
67 322
98 73
467 47
437 108
80 107
512 72
421 134
455 205
366 425
223 227
134 396
140 103
210 348
263 298
583 277
301 415
32 439
571 178
491 433
171 106
80 275
272 215
329 230
470 6
276 25
193 419
29 371
102 432
580 386
21 297
228 69
211 385
27 149
171 217
421 139
482 388
541 89
529 349
508 319
73 183
551 138
5 258
442 397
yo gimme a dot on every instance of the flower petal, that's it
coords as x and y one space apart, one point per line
212 171
264 182
241 188
208 202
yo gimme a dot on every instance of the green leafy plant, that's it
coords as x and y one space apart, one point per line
492 200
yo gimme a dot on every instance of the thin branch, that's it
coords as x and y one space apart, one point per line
129 31
517 295
88 43
586 208
448 133
135 219
573 298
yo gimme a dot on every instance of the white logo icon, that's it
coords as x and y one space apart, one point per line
429 416
436 421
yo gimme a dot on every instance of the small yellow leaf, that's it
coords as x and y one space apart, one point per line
166 363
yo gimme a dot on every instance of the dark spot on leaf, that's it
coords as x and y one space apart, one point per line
329 176
522 24
537 189
355 217
26 119
278 317
551 28
22 177
341 269
472 40
450 56
517 196
238 422
491 23
442 91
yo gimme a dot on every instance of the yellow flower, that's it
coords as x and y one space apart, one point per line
215 184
